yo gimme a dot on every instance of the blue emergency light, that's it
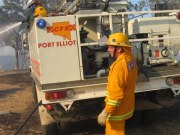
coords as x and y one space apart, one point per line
41 23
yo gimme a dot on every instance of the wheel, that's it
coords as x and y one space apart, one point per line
65 128
34 93
51 129
165 98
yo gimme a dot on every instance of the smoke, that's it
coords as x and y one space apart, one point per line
7 50
8 28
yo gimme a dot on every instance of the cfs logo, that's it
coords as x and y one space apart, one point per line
62 29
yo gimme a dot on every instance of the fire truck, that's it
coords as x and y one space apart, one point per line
69 60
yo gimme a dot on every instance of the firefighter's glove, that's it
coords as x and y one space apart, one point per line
102 118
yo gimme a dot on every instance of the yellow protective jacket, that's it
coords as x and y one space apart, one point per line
120 88
40 12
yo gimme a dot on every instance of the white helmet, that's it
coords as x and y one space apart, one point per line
30 2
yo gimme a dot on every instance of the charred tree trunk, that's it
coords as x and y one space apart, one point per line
16 60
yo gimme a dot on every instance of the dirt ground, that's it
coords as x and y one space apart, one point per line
16 103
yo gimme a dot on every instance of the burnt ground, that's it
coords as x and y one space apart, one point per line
16 103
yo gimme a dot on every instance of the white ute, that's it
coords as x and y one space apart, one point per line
69 61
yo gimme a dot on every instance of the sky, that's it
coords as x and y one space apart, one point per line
6 51
134 1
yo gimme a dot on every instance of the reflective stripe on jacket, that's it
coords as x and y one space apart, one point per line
40 12
120 88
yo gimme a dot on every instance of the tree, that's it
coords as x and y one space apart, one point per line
52 5
171 4
132 6
143 5
12 12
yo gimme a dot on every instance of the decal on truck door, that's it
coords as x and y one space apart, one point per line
62 29
57 44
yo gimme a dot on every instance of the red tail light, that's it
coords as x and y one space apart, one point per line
156 53
48 96
178 16
49 107
62 94
176 80
173 80
55 95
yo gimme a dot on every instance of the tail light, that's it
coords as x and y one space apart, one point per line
176 80
156 53
178 16
69 93
173 80
49 107
56 95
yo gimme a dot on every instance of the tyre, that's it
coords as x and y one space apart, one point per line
51 129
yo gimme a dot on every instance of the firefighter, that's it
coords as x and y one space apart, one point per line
36 8
119 101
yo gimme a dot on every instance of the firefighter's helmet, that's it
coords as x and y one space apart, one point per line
118 39
31 2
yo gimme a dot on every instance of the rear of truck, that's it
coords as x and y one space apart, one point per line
69 64
64 72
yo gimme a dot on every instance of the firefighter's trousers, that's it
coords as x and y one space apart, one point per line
115 128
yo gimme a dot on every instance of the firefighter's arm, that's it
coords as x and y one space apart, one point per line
117 85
